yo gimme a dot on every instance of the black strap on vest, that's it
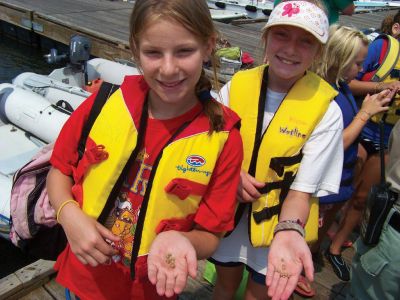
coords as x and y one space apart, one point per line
278 163
105 91
118 184
257 141
284 185
395 73
146 197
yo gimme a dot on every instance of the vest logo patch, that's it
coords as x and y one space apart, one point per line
195 161
292 132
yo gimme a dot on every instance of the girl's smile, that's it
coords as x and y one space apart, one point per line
171 59
290 51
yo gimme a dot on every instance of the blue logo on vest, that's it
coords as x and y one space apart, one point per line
195 160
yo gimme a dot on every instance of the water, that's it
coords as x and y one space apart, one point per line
16 58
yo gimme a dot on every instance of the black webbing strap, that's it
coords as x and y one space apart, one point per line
278 163
284 185
105 91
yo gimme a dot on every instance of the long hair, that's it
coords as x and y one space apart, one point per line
195 17
342 48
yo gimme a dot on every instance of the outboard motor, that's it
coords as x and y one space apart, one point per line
79 54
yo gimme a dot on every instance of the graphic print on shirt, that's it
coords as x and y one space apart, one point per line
127 208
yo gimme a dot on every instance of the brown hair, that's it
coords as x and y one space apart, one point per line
388 22
195 17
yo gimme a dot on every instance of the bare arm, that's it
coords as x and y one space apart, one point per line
197 237
370 106
289 252
85 235
362 88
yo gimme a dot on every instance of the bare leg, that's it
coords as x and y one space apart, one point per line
255 291
329 217
228 281
369 176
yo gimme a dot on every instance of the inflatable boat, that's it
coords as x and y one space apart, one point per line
33 109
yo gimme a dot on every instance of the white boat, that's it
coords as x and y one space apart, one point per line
226 16
376 4
33 110
253 8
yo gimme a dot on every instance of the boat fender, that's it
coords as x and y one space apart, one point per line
251 8
220 4
5 92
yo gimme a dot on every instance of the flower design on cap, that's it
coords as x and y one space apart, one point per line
290 9
303 14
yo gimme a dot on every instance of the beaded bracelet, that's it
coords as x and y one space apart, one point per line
289 225
62 206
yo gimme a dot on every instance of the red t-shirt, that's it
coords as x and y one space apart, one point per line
214 214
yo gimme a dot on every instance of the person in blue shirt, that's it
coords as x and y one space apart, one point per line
342 61
368 82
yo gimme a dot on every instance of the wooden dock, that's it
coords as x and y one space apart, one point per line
36 281
106 23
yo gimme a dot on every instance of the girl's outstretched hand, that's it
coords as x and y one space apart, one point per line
247 188
171 259
377 103
288 255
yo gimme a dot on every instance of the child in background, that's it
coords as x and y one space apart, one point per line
162 160
292 136
342 61
380 71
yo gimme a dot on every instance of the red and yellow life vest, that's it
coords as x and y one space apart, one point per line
276 157
388 71
188 161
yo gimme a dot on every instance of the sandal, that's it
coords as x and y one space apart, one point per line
304 288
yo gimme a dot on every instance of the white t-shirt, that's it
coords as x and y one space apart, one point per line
319 174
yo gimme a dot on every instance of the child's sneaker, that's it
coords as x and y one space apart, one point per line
339 266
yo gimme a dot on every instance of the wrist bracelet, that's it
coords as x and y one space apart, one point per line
361 119
290 225
62 206
365 112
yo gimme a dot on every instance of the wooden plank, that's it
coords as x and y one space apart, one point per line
38 294
100 47
248 21
26 279
15 15
56 290
9 285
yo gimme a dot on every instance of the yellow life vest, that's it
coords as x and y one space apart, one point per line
388 71
275 158
187 161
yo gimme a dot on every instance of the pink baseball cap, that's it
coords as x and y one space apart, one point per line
303 14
